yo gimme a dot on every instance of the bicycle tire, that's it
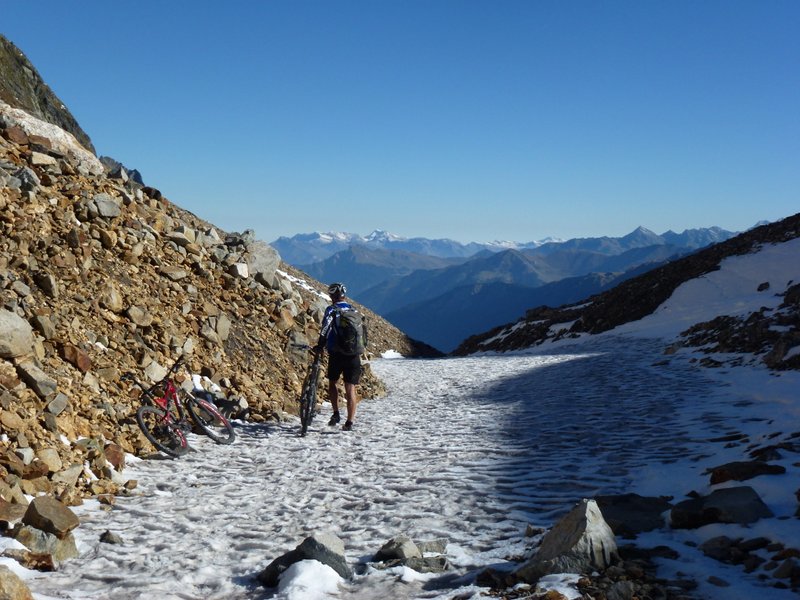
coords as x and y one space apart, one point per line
161 431
212 422
308 399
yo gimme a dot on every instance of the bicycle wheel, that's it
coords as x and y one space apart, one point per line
210 420
161 431
308 402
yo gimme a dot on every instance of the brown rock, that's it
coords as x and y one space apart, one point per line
50 515
743 470
76 357
11 514
37 561
115 455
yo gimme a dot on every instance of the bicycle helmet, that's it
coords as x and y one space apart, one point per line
337 290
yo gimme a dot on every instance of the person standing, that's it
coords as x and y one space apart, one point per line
344 359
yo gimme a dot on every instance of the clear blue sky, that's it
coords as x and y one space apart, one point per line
471 120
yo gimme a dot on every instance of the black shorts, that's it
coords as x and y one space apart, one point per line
344 363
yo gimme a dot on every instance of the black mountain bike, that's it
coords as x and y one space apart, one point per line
308 397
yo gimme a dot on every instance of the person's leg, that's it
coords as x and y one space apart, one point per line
350 395
334 372
333 395
352 375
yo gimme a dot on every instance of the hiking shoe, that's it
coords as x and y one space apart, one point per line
348 426
335 418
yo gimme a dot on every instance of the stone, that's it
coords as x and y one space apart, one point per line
107 206
155 372
139 316
16 335
108 238
240 270
732 505
29 179
743 470
115 455
47 283
51 516
111 298
322 547
31 560
39 381
630 514
42 542
400 547
68 476
58 404
12 587
76 357
108 537
718 548
174 273
438 546
262 260
784 570
11 513
41 160
11 421
44 325
223 327
50 457
581 542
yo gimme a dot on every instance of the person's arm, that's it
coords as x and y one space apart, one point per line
327 323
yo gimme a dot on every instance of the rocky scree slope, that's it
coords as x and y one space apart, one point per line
771 335
100 276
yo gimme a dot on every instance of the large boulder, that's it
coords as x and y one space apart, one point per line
581 542
42 542
49 515
262 261
322 547
400 547
16 335
630 514
740 505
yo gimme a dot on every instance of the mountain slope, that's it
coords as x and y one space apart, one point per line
447 320
510 266
773 331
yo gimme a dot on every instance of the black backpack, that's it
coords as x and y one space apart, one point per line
351 331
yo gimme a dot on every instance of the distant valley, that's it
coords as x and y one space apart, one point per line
441 291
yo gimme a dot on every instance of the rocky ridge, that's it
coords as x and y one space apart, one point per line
21 86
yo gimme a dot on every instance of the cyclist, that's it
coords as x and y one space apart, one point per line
338 363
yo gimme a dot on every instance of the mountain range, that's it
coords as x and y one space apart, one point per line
308 248
441 291
761 295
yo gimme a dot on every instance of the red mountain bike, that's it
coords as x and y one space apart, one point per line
162 418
